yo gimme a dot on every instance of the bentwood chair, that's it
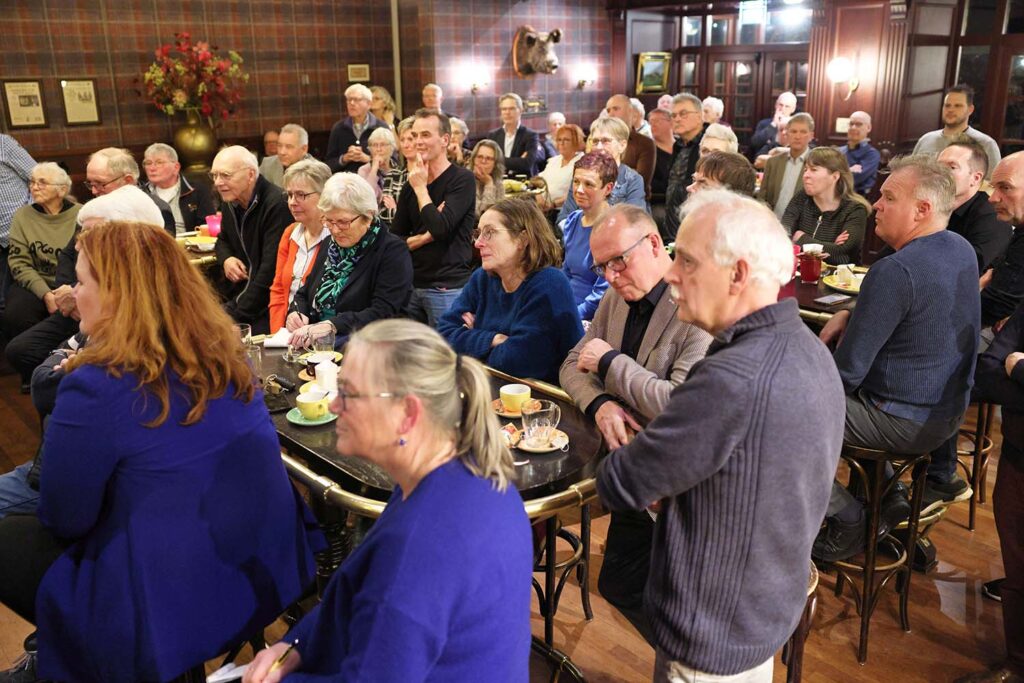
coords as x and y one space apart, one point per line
980 448
793 652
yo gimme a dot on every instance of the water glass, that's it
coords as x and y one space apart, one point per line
540 418
254 354
324 342
244 333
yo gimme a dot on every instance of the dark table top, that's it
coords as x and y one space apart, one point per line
542 475
806 294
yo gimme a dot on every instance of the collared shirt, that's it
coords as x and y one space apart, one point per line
303 255
510 141
789 181
15 171
170 195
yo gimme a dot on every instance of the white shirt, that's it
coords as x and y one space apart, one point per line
510 141
559 178
789 181
170 195
302 258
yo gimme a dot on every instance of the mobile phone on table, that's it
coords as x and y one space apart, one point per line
832 299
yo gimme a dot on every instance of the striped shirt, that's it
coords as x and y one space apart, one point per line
15 170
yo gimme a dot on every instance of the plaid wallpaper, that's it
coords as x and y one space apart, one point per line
296 53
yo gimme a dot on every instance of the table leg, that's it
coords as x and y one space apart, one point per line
549 580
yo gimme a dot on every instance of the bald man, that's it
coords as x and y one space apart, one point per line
1002 287
641 153
862 157
255 214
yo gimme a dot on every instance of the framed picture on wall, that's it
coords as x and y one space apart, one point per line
652 72
23 104
358 73
80 105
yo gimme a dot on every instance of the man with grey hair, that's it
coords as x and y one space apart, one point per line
292 146
782 173
716 474
113 167
520 144
860 155
640 153
688 127
433 98
640 124
906 354
189 204
767 129
254 215
621 374
348 146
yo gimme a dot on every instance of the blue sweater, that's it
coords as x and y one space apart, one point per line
628 189
911 342
868 157
186 539
743 485
439 590
539 319
587 287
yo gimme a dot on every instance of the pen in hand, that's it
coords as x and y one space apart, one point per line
279 662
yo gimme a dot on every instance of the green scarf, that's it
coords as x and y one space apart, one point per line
340 263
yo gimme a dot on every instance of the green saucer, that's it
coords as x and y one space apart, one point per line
295 417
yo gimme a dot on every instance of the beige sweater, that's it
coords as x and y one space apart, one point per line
36 238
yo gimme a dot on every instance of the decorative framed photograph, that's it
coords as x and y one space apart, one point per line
358 73
23 104
652 72
80 105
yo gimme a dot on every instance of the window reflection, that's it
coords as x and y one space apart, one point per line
1014 123
972 69
981 17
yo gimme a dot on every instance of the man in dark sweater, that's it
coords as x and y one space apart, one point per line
973 217
907 353
254 214
348 147
724 592
688 127
1002 286
436 213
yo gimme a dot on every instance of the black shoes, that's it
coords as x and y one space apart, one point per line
991 589
937 494
840 540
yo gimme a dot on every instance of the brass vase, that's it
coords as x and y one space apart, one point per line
196 143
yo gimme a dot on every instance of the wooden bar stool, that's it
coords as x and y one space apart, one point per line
793 651
981 447
867 468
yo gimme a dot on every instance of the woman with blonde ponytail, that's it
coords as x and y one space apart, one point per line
440 588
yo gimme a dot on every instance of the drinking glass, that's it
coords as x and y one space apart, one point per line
254 354
324 342
540 418
244 333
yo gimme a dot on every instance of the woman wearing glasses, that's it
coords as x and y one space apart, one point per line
364 273
487 162
517 312
439 590
38 232
592 183
300 243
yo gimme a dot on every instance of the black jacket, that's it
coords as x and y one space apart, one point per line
253 239
526 142
194 201
976 222
343 136
379 286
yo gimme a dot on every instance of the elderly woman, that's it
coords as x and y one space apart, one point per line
394 179
718 138
612 135
382 105
457 151
712 109
592 184
570 143
38 232
488 165
828 211
363 274
410 405
382 157
517 312
167 527
300 243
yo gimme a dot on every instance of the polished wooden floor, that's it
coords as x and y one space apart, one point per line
955 630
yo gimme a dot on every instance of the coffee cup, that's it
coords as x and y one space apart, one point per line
844 274
513 396
316 358
312 404
814 248
327 376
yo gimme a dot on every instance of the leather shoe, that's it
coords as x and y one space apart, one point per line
839 540
998 676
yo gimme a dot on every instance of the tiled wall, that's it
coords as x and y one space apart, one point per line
287 42
284 43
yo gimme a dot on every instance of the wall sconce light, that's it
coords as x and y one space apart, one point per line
477 75
586 75
840 70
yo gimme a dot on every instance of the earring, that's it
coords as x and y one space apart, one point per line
402 441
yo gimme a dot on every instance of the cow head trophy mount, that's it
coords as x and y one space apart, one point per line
533 51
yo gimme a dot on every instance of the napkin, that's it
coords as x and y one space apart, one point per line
279 340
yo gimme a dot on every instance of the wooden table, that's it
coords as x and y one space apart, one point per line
811 310
203 259
548 483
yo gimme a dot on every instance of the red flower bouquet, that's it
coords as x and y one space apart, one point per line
193 76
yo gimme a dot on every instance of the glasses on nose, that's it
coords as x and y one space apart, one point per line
40 183
601 141
216 176
683 114
341 224
96 187
487 234
299 196
150 163
344 396
618 263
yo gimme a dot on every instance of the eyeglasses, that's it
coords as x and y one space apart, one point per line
149 163
42 183
299 196
487 234
344 396
683 114
602 141
618 264
340 225
96 187
221 175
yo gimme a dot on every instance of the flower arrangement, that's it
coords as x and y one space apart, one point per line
195 78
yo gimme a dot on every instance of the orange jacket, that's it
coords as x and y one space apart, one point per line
286 252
